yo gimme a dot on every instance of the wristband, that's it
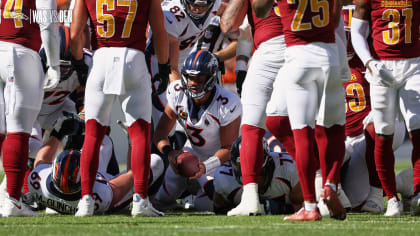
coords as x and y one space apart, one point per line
166 150
211 164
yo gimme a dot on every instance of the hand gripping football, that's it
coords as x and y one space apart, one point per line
188 164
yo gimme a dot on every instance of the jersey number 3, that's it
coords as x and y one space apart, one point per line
108 30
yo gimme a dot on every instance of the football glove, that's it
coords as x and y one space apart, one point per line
380 74
82 70
240 78
68 124
221 64
162 77
52 77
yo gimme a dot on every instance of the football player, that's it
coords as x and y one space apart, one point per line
185 22
279 182
21 84
314 96
119 71
256 91
393 73
57 185
210 116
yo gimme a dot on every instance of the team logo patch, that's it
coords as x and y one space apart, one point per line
116 59
183 115
208 34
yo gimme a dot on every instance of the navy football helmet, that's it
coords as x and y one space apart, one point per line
198 17
200 63
267 167
66 172
66 70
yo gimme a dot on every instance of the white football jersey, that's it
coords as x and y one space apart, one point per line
41 186
181 26
202 124
284 179
57 100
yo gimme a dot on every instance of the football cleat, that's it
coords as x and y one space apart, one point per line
394 208
13 207
375 201
143 207
415 206
86 206
250 203
330 198
303 215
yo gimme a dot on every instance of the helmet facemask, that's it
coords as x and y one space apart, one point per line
198 3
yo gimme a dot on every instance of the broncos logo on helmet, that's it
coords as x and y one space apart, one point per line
200 63
66 172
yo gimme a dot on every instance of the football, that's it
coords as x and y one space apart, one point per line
188 164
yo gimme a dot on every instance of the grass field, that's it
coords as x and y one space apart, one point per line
193 223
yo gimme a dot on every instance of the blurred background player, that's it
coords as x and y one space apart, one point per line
210 116
119 71
393 63
22 81
266 61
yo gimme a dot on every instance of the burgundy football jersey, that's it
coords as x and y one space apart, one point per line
118 23
395 28
357 98
16 25
307 21
265 29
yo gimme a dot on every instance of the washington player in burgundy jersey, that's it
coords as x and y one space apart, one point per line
314 92
393 63
257 88
21 86
119 71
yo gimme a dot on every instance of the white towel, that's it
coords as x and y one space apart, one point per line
114 76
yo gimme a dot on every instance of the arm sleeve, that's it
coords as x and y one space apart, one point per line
359 30
49 32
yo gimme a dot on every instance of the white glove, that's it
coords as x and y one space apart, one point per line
52 77
380 74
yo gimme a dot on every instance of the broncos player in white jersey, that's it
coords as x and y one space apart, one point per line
210 116
279 182
58 187
185 22
57 99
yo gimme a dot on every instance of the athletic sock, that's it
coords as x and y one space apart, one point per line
252 153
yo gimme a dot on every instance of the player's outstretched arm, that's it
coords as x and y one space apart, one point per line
160 139
120 186
174 57
233 16
359 28
79 17
160 37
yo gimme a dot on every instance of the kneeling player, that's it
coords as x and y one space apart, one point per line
210 116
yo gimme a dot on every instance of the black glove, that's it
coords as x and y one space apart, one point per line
69 124
221 64
82 70
240 78
162 77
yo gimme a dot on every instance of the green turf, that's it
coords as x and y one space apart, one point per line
202 224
